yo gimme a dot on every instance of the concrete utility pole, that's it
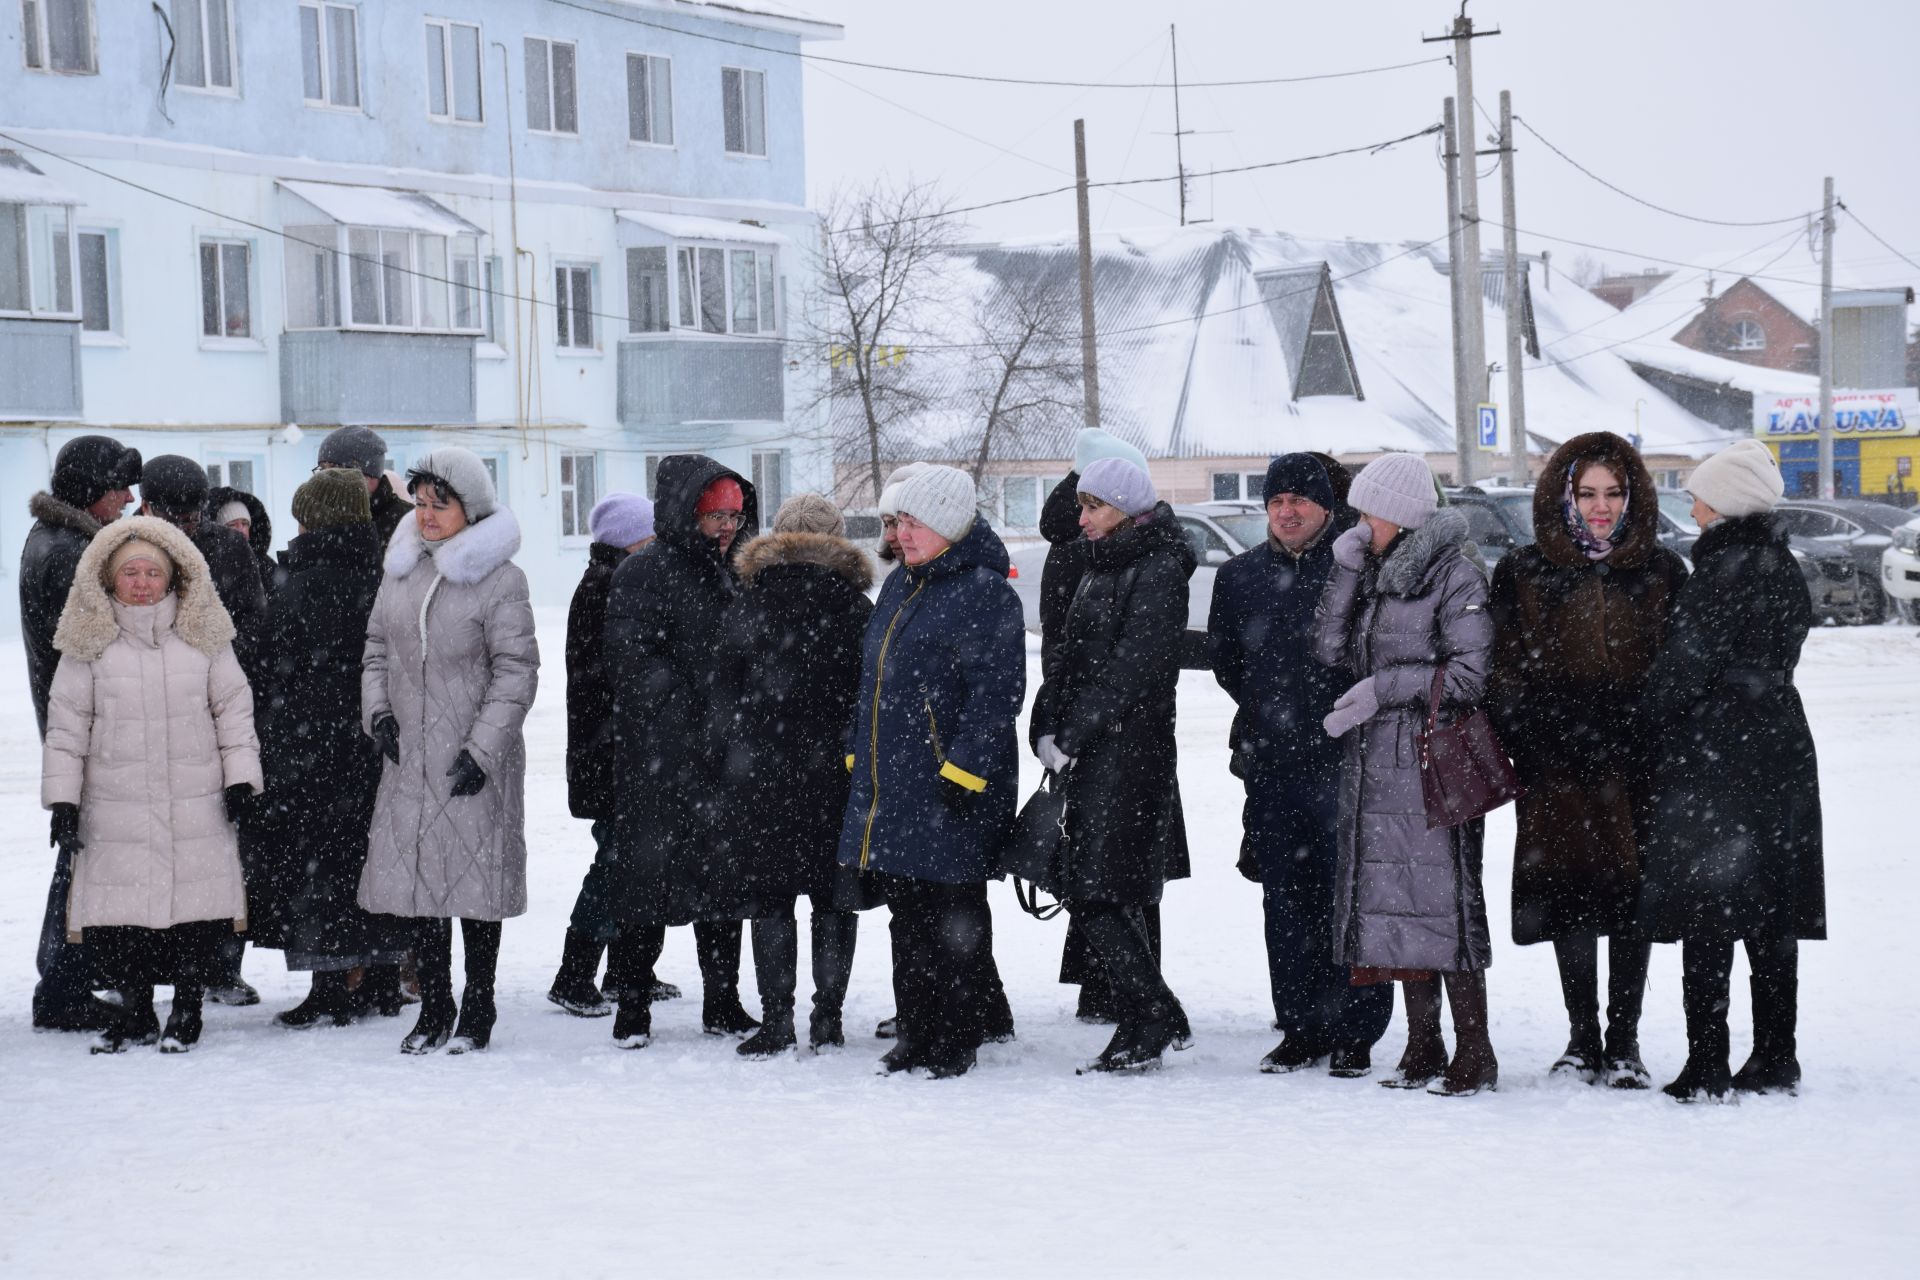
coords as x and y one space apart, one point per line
1515 295
1089 359
1463 409
1179 153
1826 343
1471 332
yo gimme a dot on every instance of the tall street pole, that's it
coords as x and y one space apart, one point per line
1515 295
1463 410
1089 362
1826 343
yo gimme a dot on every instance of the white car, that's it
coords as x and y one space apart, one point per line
1900 571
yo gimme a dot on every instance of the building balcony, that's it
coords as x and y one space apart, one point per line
39 369
347 377
665 381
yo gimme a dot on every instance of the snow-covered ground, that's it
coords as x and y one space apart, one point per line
327 1153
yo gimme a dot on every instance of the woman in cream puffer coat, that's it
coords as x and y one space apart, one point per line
150 752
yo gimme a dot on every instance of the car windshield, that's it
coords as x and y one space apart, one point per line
1247 528
1679 509
1518 510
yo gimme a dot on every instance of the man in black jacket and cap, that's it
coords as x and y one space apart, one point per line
1259 642
364 450
93 479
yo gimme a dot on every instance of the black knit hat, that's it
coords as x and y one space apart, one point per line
1300 474
174 484
331 498
89 467
360 448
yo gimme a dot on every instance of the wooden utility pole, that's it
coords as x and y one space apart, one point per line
1463 409
1515 295
1826 343
1089 358
1179 153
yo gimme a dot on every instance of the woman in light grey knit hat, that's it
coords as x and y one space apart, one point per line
1403 604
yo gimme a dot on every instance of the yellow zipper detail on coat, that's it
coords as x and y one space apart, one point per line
873 725
933 727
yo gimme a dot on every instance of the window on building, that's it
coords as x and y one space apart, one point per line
226 289
1749 336
1325 369
579 490
551 100
412 280
495 274
99 252
313 277
453 71
743 110
573 305
653 474
770 482
37 260
58 35
726 290
234 473
203 44
330 54
1233 486
646 290
649 99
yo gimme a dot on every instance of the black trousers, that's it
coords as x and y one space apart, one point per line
136 960
1118 937
942 935
595 909
1313 997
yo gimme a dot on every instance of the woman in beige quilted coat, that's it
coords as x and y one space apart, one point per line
449 673
150 753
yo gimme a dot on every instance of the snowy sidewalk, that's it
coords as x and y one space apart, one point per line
327 1153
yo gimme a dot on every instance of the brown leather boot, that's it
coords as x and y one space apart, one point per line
1473 1067
1426 1053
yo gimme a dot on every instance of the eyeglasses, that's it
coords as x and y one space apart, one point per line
724 519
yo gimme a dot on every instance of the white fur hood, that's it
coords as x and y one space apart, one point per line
465 558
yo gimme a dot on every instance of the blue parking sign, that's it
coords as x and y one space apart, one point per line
1490 426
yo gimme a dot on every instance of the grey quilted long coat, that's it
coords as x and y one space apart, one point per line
451 654
1406 897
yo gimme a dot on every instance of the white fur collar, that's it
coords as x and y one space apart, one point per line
466 557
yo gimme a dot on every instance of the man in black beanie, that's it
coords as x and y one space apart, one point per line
364 450
93 479
1259 638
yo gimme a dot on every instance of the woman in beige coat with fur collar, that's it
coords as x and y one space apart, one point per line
150 751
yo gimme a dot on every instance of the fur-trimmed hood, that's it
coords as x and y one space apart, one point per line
465 558
47 509
1642 521
260 539
88 624
823 549
1411 563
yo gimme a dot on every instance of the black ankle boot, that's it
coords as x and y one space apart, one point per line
633 1024
1138 1043
1774 1065
474 1031
183 1021
774 1038
1295 1053
433 1030
134 1024
723 1015
824 1030
573 988
328 1001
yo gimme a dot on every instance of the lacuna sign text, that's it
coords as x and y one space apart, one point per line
1855 414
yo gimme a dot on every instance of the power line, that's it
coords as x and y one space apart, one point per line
990 79
1660 208
1648 257
1876 236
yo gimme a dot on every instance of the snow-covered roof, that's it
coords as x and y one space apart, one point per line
1200 334
381 207
682 226
21 183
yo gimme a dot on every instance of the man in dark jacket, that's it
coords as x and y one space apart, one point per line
664 611
363 449
1259 640
621 524
93 479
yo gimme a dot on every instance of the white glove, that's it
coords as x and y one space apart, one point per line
1354 707
1051 756
1350 548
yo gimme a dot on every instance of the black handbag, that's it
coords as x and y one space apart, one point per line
1036 846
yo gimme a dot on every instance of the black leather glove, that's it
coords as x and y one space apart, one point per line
386 732
467 776
239 798
65 833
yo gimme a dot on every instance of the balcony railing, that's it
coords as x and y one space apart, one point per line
343 377
39 369
664 381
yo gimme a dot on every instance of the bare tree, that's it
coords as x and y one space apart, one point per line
878 269
1026 374
1585 271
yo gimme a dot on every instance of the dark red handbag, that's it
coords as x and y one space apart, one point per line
1464 771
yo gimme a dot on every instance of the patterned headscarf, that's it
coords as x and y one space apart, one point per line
1596 547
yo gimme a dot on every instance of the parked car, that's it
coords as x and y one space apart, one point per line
1863 529
1900 571
1498 520
1217 532
1833 580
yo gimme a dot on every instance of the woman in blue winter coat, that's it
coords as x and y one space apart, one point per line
934 759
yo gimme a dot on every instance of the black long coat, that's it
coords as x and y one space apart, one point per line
1066 556
236 580
54 545
259 533
1734 844
1108 701
787 676
595 746
1574 639
664 612
308 840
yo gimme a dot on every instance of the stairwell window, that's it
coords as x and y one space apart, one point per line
743 110
769 482
99 281
552 102
57 35
453 71
203 45
330 55
226 290
649 100
579 490
573 306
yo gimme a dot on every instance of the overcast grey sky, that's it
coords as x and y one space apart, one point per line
1720 108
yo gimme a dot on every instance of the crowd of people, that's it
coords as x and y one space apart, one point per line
749 723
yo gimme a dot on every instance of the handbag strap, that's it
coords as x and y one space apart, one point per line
1028 895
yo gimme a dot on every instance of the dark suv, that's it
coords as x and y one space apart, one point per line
1833 579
